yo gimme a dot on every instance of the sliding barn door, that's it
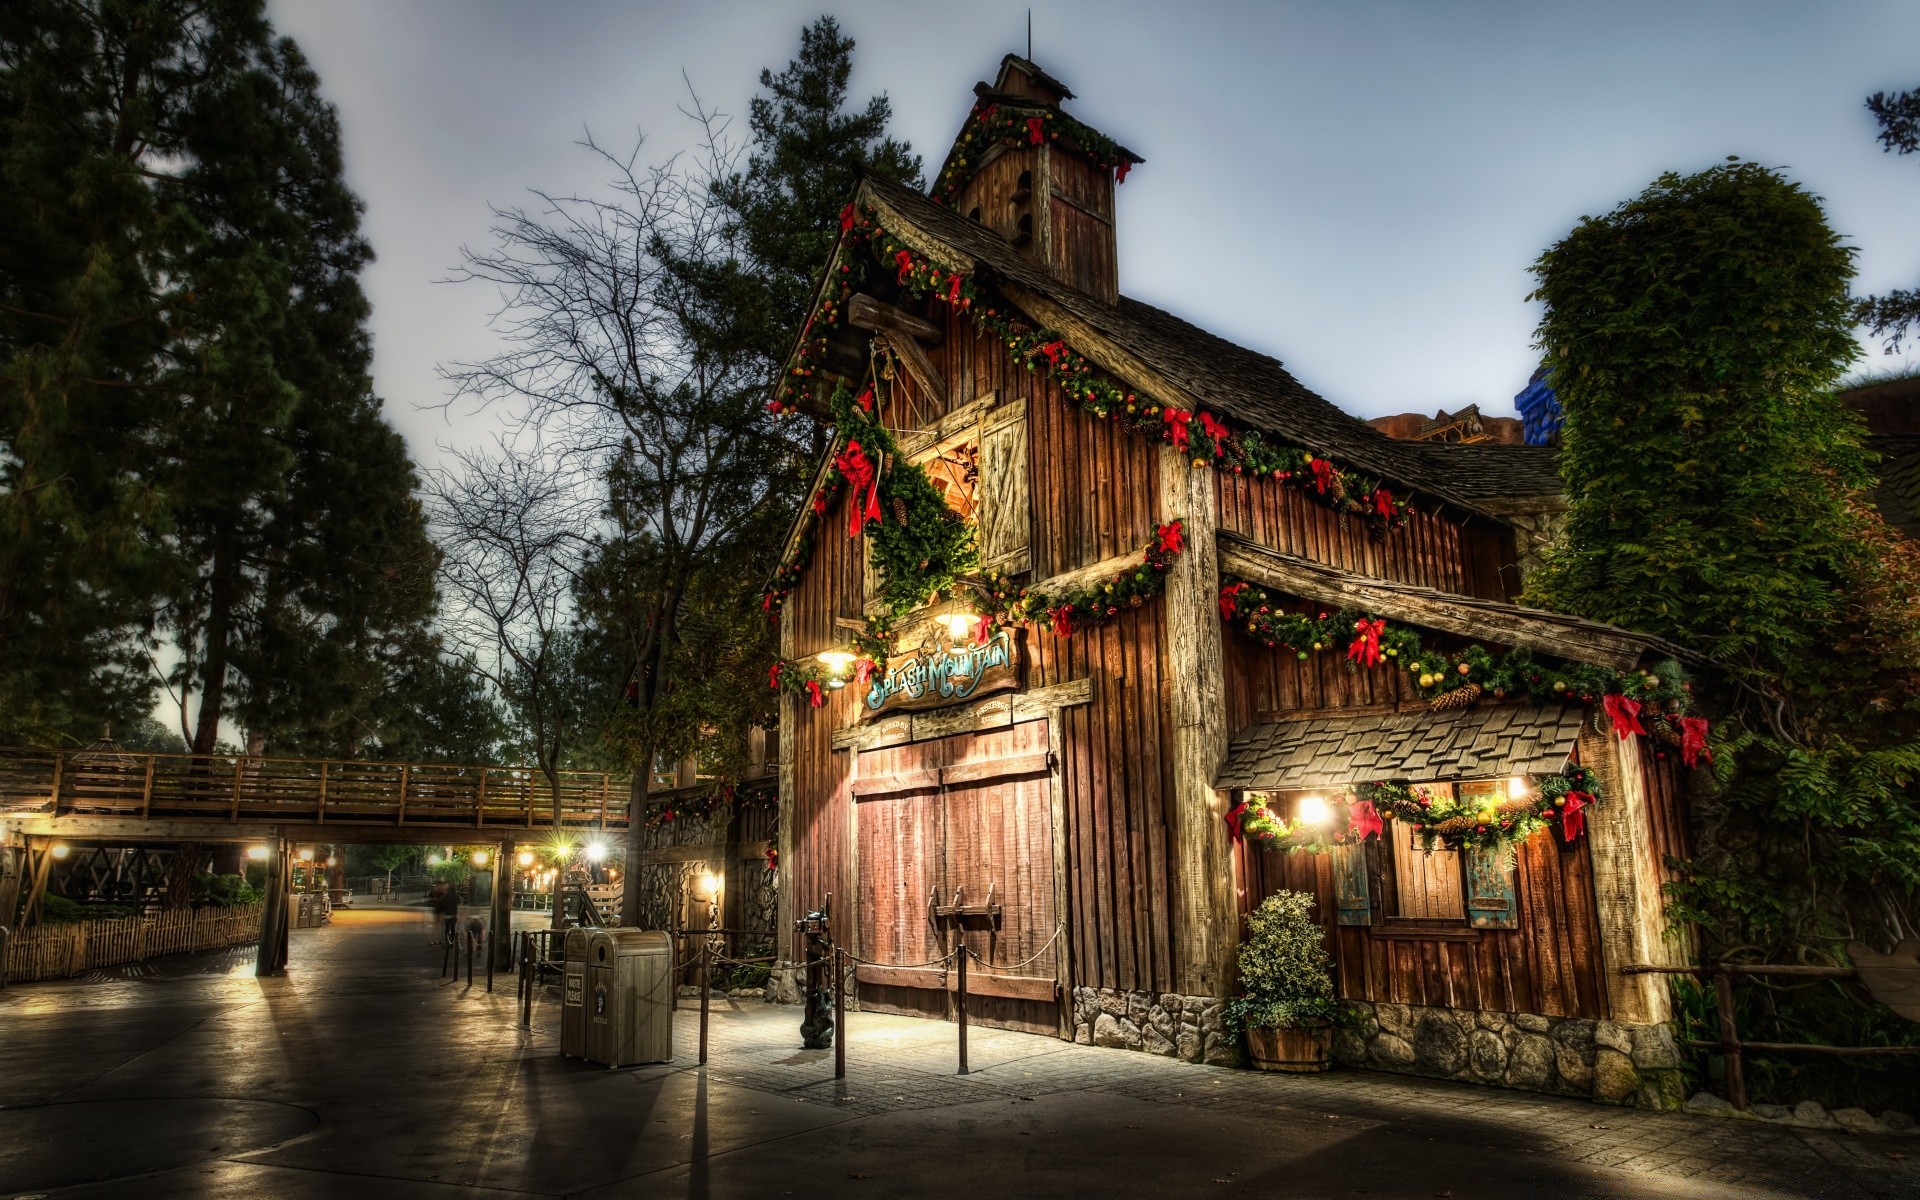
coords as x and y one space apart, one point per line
963 820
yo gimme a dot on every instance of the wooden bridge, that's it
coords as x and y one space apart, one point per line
119 793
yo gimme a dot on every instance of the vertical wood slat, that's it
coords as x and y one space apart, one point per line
406 776
146 794
320 815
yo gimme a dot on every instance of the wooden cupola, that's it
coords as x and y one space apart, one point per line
1040 179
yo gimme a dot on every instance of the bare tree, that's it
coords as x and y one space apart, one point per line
513 531
632 335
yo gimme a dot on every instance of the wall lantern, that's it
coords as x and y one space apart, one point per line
596 851
479 858
58 850
1313 810
526 858
836 661
257 853
306 856
710 884
959 624
1518 788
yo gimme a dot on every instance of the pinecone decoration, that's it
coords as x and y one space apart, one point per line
1459 697
1661 729
900 510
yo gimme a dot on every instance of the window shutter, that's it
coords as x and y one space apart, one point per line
1005 515
1490 897
1354 897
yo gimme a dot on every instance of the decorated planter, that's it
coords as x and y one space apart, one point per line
1302 1049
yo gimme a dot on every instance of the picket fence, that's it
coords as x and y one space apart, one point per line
66 948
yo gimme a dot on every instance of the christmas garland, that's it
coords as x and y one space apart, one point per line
1558 801
1650 702
991 124
707 805
1066 613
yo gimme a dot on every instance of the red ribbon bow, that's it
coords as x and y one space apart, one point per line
1217 432
1230 600
846 219
1572 821
773 675
1365 819
1626 716
988 111
1693 741
1383 504
773 858
1033 131
1176 420
1173 538
815 696
953 290
1052 350
858 468
865 399
1120 172
904 260
766 603
862 672
1365 649
1233 820
1062 620
1322 474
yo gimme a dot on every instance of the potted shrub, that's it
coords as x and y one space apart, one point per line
1288 1007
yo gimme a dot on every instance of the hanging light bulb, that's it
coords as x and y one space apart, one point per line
479 858
959 624
596 851
1313 810
526 858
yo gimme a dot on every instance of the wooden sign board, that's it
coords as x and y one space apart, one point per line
940 674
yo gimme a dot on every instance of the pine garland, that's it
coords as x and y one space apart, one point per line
993 124
708 804
1067 613
1557 801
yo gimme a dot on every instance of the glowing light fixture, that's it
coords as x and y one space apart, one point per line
479 858
526 858
561 851
596 851
257 853
434 860
959 624
710 883
836 661
1518 789
1313 810
306 856
58 850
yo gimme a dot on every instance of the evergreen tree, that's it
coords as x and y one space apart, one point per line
1892 316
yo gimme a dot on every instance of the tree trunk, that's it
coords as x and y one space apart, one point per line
562 867
213 678
637 793
180 872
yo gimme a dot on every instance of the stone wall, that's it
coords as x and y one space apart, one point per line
1185 1027
1603 1061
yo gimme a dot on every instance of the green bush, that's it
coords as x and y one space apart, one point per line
59 908
1285 970
223 891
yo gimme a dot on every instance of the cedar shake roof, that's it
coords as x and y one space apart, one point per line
1898 496
1336 751
1227 379
1493 470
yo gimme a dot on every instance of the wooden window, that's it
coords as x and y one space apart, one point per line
1004 515
1428 884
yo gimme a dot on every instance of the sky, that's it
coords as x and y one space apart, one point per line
1357 189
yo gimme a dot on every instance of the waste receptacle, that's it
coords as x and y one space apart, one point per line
573 1010
629 1014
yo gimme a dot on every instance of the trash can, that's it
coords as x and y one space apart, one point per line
573 1012
629 998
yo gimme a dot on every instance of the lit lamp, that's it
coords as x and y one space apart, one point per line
434 859
257 853
836 661
1313 810
959 624
596 852
306 856
1518 789
526 858
710 882
479 858
58 850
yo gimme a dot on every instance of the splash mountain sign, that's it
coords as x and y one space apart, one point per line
942 673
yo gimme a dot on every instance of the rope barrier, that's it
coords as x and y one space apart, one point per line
1057 930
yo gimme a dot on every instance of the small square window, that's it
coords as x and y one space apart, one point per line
1428 884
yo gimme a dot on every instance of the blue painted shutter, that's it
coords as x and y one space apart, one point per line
1490 897
1353 897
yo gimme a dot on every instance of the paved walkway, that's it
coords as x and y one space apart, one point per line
363 1074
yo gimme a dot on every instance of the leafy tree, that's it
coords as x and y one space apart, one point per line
1890 316
1696 333
809 150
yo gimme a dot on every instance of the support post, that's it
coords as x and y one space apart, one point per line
492 941
960 1007
839 1012
1730 1039
1626 888
706 990
273 917
500 948
1206 919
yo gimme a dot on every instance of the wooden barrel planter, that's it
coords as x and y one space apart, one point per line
1301 1050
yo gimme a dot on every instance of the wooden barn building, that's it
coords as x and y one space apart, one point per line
1188 633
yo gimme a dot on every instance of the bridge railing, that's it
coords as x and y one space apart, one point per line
246 788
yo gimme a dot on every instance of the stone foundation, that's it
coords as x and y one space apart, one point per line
1602 1061
1184 1027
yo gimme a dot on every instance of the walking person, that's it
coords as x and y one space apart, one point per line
446 904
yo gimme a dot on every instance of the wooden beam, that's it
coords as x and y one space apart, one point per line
918 365
1468 616
979 982
868 313
997 711
1626 885
125 830
1206 916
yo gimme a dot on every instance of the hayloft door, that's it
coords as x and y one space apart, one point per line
962 821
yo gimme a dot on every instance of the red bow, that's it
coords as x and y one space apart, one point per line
1033 131
1572 821
846 220
858 468
1230 600
815 696
819 503
1626 716
766 603
1053 350
1120 172
773 858
904 260
1365 649
988 111
1172 538
953 290
1176 421
1062 620
862 672
1322 474
1365 819
1217 432
865 399
1383 503
773 676
1233 820
1693 741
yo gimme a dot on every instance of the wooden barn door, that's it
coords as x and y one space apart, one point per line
967 815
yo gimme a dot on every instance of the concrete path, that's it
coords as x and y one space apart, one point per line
363 1074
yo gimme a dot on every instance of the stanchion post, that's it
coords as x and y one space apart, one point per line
706 982
839 1012
1730 1039
469 941
960 1007
489 960
446 956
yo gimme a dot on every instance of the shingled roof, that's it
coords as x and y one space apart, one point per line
1336 751
1225 378
1898 495
1491 470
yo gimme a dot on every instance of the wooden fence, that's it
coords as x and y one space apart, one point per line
66 948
